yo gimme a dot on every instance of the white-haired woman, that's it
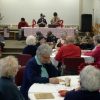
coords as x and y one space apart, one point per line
31 46
61 41
89 85
68 50
39 69
8 69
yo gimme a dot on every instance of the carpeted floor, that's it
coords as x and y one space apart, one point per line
14 44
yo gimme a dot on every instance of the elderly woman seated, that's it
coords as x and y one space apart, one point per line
8 69
39 69
68 50
31 46
89 85
96 51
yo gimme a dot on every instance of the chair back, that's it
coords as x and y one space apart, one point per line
72 65
19 76
60 23
23 59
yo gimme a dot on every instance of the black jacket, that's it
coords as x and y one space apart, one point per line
8 90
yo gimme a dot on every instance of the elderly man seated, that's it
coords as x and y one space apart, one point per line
89 85
39 70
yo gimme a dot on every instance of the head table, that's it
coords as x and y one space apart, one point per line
44 30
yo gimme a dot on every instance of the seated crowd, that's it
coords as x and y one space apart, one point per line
39 69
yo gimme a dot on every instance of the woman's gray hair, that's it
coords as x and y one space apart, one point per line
70 39
31 40
90 78
44 49
8 66
97 38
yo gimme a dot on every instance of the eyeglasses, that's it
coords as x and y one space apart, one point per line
45 57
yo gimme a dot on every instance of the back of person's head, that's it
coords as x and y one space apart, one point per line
49 33
38 33
90 78
69 39
31 40
55 14
44 49
8 66
22 19
97 38
42 15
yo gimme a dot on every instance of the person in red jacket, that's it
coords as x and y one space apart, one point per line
68 50
21 24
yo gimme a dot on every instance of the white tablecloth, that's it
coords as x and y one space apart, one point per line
53 88
88 59
56 31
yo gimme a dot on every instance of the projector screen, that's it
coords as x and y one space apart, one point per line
13 10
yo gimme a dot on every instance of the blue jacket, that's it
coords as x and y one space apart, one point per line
82 95
32 75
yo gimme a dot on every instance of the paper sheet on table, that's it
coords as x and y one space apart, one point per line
42 95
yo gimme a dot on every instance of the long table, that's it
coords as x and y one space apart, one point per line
56 31
53 88
88 59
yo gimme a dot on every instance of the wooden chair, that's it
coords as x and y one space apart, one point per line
71 65
23 59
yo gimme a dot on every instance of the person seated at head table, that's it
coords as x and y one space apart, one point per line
55 19
42 21
89 85
8 69
39 69
68 50
31 46
22 23
33 23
